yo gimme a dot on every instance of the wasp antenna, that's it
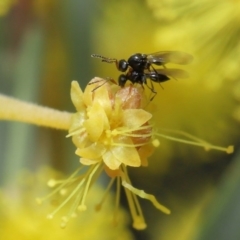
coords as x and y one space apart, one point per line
97 56
104 59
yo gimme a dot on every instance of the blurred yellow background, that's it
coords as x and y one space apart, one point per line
44 45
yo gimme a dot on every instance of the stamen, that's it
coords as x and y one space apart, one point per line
80 193
188 135
135 208
134 134
150 197
198 142
130 145
50 216
40 200
155 143
82 206
53 182
118 192
99 205
72 210
138 221
64 222
96 175
63 191
127 130
126 183
124 169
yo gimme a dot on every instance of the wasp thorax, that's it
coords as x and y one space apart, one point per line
138 61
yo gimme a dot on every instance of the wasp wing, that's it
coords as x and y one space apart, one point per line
163 57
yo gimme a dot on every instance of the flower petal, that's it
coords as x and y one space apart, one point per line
81 140
94 151
134 118
87 161
97 121
77 96
110 160
101 95
125 152
77 120
91 89
131 97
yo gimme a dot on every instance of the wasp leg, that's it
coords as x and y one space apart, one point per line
154 77
102 80
150 87
122 79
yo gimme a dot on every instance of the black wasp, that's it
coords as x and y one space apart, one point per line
140 67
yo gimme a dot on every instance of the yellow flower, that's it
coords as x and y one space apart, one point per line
111 131
21 219
110 124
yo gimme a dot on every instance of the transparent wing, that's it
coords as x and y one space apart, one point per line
164 57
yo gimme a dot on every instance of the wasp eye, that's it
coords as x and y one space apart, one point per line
122 65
